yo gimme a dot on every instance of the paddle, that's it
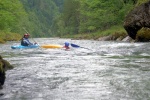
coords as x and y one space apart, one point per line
76 46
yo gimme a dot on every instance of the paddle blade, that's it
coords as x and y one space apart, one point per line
74 45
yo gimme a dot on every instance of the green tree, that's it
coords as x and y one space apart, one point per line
42 14
70 16
101 14
12 15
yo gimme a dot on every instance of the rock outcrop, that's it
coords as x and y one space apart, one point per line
2 72
4 65
137 18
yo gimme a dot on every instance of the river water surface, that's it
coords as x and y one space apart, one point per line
108 71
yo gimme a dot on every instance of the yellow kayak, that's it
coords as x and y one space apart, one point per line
52 46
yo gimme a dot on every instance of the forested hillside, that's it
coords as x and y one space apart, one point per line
42 14
46 18
12 19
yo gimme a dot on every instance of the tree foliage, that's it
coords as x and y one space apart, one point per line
41 15
86 16
12 15
44 18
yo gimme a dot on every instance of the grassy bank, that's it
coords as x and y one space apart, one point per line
8 36
115 30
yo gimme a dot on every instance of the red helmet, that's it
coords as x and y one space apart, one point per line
26 34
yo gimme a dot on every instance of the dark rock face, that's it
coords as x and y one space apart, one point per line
137 18
2 72
4 66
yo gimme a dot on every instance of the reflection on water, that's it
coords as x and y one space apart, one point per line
109 71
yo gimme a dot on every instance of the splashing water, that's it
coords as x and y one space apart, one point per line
109 71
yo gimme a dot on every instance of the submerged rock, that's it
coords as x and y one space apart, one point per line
127 39
137 18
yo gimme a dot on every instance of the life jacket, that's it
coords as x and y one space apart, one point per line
25 42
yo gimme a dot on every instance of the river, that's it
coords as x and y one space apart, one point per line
106 71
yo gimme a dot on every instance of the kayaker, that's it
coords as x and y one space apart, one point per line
66 46
25 40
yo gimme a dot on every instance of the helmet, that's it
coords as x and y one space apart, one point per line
26 34
66 44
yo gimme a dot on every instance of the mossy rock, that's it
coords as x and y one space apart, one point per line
7 64
2 70
118 35
4 65
143 35
2 73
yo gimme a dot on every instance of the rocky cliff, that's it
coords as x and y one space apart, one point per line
137 19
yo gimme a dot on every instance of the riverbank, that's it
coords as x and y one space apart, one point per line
116 33
8 36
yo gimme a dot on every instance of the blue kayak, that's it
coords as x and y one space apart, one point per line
24 47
